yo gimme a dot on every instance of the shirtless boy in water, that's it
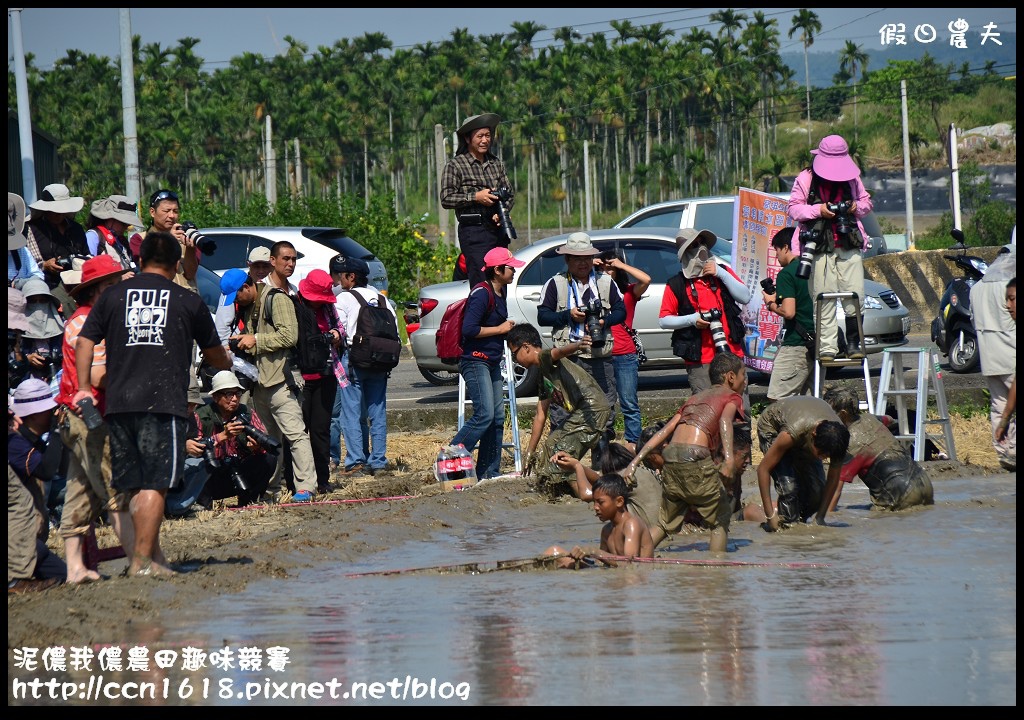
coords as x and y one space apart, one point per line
690 475
624 534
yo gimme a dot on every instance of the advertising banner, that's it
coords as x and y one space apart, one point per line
758 217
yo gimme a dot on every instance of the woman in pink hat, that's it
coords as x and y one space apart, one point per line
828 200
316 291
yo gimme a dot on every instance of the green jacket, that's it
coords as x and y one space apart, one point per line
273 342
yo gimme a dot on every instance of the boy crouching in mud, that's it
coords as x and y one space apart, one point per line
570 386
624 534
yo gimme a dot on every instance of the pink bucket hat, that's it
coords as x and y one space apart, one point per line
832 160
317 287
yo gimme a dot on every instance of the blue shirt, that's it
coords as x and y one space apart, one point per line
480 313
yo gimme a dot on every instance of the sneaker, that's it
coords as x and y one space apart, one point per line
303 496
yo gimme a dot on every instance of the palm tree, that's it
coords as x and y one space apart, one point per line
807 23
852 59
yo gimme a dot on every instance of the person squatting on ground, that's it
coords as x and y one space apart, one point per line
569 386
584 302
886 466
690 475
795 435
89 493
364 409
623 535
153 323
625 360
791 370
469 183
484 326
997 346
35 450
828 200
271 332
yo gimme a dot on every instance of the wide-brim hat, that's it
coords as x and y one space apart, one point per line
501 256
16 217
688 237
33 396
95 269
117 207
57 198
34 286
578 243
475 122
832 160
16 319
224 380
317 286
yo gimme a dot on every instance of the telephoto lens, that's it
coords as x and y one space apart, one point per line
205 244
504 195
714 316
809 244
597 332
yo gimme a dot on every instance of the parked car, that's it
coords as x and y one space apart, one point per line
315 247
717 213
653 250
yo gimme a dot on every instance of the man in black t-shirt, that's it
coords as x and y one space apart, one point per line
149 324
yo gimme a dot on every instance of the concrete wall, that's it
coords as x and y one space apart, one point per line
919 277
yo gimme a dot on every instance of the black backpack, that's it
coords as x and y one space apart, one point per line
312 352
376 346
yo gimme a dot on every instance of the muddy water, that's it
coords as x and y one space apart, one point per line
912 608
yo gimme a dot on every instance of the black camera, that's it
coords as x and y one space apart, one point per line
504 196
210 454
205 244
241 484
63 263
244 354
714 316
265 441
768 285
51 357
809 240
594 311
17 368
843 223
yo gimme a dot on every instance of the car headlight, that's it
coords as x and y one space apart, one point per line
872 303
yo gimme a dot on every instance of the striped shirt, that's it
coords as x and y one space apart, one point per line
464 176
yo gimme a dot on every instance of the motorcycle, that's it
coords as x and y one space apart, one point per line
953 330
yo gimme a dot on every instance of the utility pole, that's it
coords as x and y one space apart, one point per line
440 160
28 164
132 180
954 168
586 181
909 190
270 174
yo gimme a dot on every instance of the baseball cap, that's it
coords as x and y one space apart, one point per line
231 282
345 264
259 254
501 256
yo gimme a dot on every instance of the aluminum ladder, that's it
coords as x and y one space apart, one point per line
830 298
892 385
511 414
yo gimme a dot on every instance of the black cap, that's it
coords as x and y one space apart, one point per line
343 264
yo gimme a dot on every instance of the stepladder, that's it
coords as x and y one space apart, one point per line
893 386
826 302
512 445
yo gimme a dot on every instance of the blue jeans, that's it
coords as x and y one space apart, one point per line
179 499
627 370
485 387
364 421
336 430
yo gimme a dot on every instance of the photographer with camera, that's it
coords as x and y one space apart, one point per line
584 300
54 236
109 220
41 343
474 184
701 306
239 456
789 297
828 199
165 212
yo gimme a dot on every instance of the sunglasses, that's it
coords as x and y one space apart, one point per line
161 196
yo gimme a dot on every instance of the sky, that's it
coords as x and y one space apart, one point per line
48 33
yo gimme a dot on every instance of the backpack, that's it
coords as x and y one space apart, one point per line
312 352
376 346
449 333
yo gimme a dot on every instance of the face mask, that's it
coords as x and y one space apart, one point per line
694 261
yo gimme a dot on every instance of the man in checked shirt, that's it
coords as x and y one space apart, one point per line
468 183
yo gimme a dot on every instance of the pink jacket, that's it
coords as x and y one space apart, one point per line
805 215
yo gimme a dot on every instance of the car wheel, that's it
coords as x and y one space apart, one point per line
526 379
440 378
963 358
